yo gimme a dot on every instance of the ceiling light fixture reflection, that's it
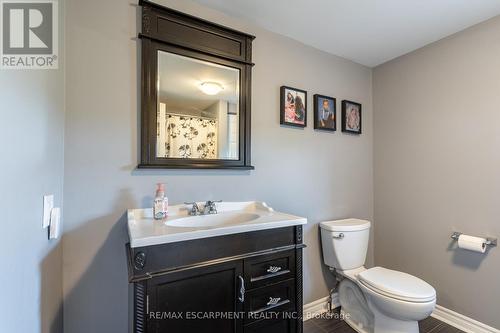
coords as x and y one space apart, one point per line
211 88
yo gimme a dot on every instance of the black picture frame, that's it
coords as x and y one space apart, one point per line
283 118
345 127
317 103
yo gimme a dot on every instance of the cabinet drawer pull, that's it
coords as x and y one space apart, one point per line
241 296
273 301
274 269
270 306
270 275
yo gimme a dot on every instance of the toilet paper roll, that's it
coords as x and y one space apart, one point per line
471 243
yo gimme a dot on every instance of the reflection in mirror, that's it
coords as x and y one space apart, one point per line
198 109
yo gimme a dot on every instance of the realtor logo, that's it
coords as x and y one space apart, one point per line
29 34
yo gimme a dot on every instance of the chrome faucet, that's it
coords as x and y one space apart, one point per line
195 210
208 208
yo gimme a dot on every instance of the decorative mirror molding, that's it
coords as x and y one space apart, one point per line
196 92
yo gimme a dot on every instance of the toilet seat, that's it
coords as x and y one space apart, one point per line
397 285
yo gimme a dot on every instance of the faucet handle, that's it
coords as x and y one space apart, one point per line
211 207
195 210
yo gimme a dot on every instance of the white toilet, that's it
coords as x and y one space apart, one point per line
375 300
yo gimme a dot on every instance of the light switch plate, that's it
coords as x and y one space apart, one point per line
55 223
48 204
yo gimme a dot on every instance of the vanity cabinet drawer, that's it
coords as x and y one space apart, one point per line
268 269
278 325
270 302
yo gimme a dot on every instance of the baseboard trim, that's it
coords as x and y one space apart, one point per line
461 322
316 308
457 320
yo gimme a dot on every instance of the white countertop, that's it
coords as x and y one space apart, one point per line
143 230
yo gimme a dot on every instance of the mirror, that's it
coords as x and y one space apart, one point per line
198 109
196 92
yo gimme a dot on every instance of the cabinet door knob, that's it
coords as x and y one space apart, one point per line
241 296
273 269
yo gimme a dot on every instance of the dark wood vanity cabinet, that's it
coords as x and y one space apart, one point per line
216 286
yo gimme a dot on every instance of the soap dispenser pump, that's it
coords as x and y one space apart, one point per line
160 205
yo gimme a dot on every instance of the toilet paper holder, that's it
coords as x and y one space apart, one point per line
489 241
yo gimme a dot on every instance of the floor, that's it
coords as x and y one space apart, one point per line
331 325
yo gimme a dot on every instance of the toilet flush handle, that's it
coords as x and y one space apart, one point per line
339 236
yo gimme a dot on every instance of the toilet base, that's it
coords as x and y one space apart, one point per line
354 307
364 317
385 324
355 326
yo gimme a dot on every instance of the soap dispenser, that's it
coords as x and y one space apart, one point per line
160 205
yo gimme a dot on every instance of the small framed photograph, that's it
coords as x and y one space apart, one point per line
293 107
325 113
351 117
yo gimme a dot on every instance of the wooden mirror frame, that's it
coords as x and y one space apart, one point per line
165 29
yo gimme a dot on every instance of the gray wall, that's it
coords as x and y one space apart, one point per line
437 162
31 150
301 171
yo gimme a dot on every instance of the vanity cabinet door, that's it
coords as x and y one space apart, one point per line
187 301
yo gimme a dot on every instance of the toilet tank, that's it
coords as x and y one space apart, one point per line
345 243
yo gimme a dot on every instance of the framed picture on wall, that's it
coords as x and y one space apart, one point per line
325 113
351 117
293 107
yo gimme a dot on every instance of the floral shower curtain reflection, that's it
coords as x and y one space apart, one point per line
186 136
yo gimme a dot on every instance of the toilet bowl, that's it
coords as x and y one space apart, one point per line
374 300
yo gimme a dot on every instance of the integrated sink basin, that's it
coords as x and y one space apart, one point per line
232 218
215 220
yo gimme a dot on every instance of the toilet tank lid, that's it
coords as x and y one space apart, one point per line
345 225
